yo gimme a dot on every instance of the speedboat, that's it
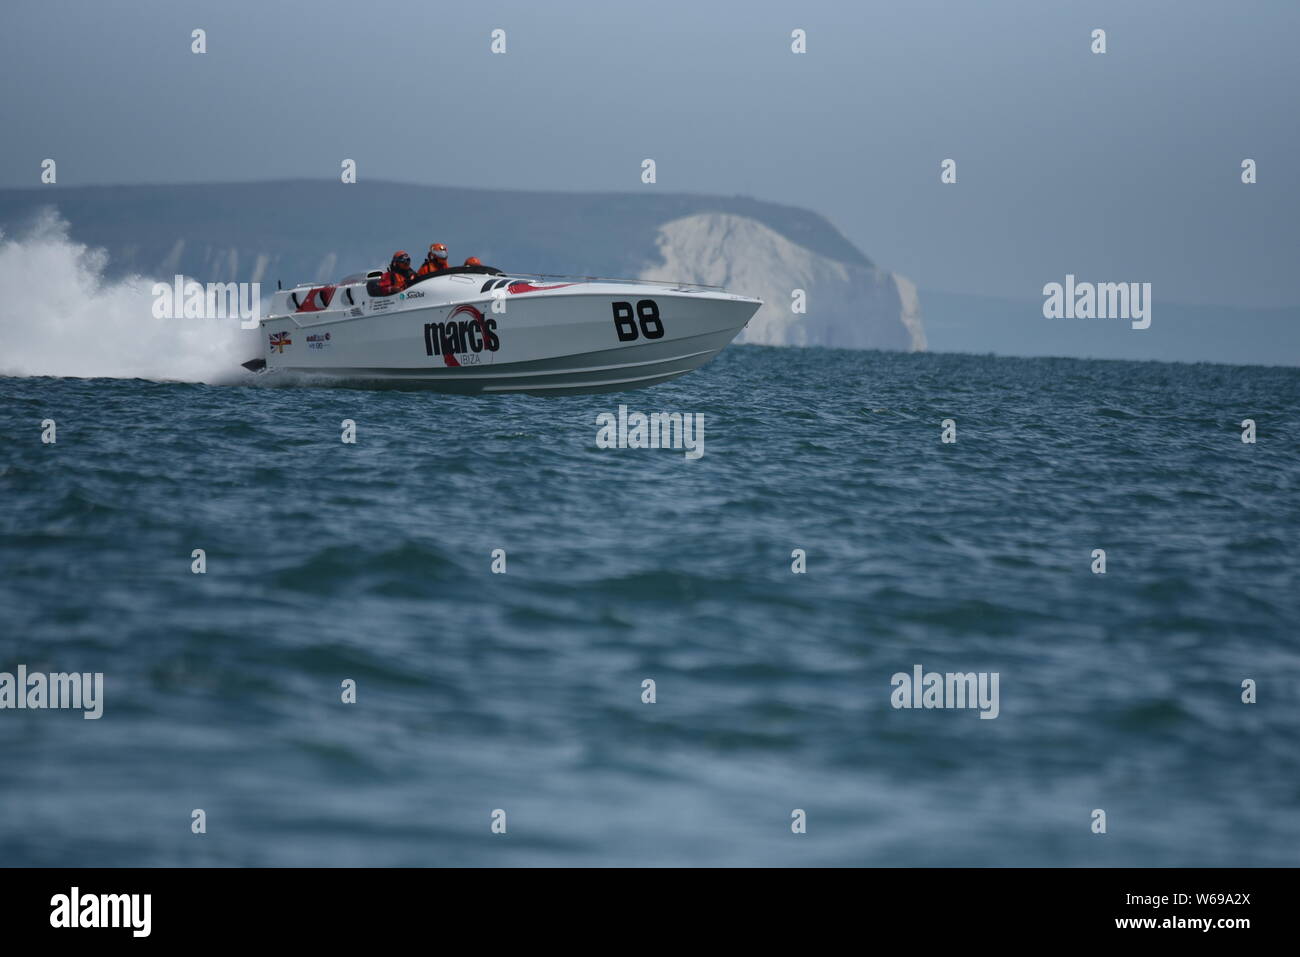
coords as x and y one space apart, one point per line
476 329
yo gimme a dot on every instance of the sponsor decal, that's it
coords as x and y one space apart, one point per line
354 311
379 305
279 340
519 288
318 341
411 295
318 299
465 339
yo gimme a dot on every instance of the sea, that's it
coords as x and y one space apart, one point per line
476 637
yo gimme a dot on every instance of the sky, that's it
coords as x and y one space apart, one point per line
1123 166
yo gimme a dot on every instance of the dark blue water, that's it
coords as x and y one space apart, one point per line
522 691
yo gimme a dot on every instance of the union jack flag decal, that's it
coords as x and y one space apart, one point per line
279 340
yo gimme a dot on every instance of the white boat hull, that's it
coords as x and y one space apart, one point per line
455 334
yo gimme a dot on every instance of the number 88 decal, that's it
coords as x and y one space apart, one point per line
647 312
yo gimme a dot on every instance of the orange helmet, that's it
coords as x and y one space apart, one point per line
438 251
401 257
473 261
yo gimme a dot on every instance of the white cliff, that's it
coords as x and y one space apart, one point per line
849 305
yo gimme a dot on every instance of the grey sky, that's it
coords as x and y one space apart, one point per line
1123 166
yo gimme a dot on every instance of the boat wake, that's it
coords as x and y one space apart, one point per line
62 316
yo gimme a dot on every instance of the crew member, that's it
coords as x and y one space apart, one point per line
435 261
473 261
399 274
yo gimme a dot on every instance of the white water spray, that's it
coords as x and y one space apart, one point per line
59 316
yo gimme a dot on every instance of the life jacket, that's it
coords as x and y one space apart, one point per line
431 266
393 281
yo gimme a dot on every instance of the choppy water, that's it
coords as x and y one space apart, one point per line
522 691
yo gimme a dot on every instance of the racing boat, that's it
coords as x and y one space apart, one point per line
476 329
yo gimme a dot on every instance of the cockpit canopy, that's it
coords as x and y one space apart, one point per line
372 278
